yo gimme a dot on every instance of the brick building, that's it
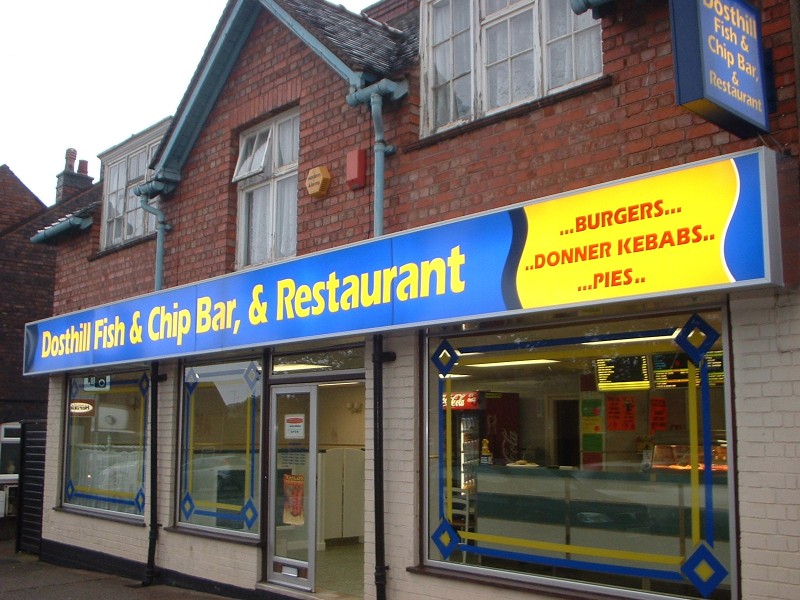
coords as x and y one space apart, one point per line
447 298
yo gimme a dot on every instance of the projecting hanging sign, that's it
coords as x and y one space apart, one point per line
706 226
719 66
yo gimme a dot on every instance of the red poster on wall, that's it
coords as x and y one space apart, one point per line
620 413
658 414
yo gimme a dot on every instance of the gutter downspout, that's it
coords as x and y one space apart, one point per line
145 192
378 358
374 94
148 191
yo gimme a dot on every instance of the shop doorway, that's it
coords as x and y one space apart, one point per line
316 526
568 445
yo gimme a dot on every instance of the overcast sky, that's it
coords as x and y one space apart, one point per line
88 74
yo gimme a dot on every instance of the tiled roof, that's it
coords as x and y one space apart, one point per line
360 42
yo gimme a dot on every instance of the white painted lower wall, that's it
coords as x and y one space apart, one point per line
765 335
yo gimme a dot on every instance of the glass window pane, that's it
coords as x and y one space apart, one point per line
441 64
220 449
461 15
497 43
442 104
522 77
259 222
441 22
105 467
560 55
492 6
463 97
559 18
462 54
522 32
497 84
588 60
286 218
285 150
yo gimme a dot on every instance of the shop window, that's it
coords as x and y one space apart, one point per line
105 450
591 454
266 172
481 56
220 447
10 448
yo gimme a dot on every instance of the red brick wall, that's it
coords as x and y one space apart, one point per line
624 125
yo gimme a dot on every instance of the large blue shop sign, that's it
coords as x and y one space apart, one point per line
602 244
719 66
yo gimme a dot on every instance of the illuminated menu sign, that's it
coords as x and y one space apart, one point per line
622 373
719 67
671 370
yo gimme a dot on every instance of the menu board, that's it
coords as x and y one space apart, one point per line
622 373
671 370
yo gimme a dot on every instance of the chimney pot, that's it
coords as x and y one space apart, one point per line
71 155
83 167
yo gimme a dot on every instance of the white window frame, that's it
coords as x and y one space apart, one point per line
265 166
479 80
124 219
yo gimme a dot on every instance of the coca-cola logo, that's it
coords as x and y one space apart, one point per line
461 400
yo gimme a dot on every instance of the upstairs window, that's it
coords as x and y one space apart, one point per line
483 56
125 220
266 172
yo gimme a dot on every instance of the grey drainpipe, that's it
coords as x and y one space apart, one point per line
374 94
145 192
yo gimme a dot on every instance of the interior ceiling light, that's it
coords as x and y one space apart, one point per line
633 340
299 367
514 363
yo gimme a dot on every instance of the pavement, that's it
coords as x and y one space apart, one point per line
24 577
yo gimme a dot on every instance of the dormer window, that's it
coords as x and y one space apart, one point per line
126 167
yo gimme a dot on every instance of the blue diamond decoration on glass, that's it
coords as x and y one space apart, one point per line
445 538
187 506
249 513
70 490
139 500
190 380
710 336
251 376
704 571
144 385
445 358
73 388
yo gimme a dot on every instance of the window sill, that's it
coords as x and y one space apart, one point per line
214 535
522 109
123 246
487 580
104 515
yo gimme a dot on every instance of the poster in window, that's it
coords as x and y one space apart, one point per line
293 492
658 414
620 413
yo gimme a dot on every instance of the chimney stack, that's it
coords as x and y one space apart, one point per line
68 182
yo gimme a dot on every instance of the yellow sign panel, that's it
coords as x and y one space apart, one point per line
642 237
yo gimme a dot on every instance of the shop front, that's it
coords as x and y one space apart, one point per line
574 392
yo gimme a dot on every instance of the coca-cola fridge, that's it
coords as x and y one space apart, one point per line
485 428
